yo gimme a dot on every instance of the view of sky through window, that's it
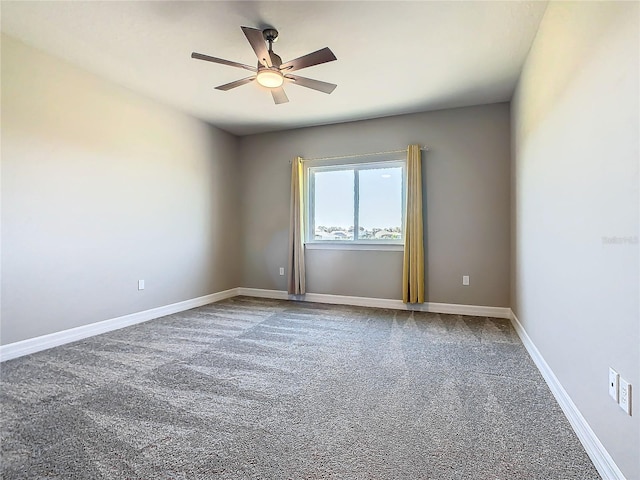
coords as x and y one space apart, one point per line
381 198
334 201
379 204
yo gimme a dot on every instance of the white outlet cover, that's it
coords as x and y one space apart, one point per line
614 378
140 284
281 270
465 280
625 396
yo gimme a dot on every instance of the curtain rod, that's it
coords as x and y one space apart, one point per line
423 147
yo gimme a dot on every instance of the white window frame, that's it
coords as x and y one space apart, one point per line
366 163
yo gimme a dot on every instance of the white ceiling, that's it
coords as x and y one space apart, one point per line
393 57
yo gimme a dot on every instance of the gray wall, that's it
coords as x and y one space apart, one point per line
100 188
466 177
575 187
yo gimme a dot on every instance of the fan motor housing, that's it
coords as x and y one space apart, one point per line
276 61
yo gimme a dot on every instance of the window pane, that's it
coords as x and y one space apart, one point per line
380 214
333 209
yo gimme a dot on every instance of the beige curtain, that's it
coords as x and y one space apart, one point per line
413 269
296 273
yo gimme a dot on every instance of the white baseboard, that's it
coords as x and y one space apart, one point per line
44 342
601 459
475 310
264 293
32 345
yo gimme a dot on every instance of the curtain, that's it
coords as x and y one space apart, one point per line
413 268
296 275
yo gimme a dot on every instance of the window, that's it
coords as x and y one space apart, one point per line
356 203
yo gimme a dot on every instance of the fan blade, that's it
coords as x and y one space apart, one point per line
256 39
237 83
207 58
279 96
311 83
316 58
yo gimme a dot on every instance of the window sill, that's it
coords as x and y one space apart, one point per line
389 247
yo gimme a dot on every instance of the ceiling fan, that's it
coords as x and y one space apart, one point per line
271 72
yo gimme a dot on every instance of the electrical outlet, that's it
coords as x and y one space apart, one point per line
614 378
281 270
140 284
465 280
625 396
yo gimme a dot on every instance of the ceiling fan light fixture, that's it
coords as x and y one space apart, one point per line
271 72
270 78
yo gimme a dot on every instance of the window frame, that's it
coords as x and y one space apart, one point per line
366 163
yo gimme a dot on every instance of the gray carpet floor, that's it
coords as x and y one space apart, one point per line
251 388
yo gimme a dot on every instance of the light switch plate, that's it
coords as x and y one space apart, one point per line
614 378
625 396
